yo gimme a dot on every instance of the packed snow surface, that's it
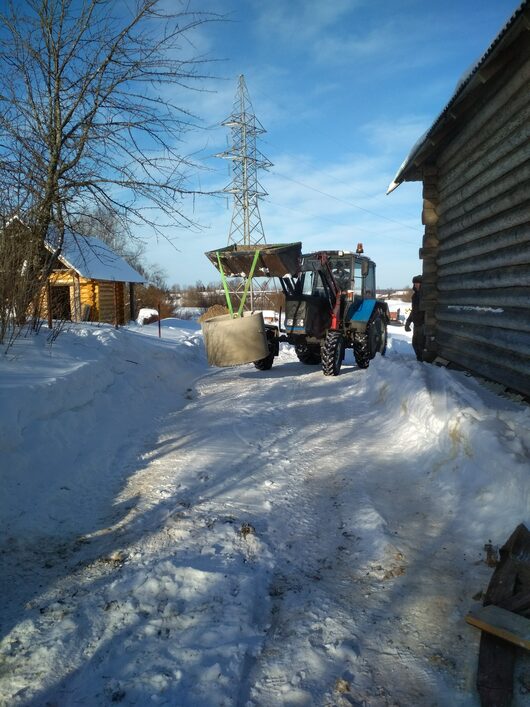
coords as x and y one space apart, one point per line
184 536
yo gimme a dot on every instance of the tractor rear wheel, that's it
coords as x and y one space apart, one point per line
332 353
365 346
306 354
376 331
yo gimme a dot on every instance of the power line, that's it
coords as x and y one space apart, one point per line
338 181
222 194
339 223
345 201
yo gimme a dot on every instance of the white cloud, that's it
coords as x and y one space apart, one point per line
395 135
301 20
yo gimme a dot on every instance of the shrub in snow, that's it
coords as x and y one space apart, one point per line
146 316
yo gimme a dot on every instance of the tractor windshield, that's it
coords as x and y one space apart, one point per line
313 284
311 280
342 272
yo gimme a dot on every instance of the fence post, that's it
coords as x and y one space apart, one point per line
49 296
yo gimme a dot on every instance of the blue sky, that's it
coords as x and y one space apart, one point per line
344 89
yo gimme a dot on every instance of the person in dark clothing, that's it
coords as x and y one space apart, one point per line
417 318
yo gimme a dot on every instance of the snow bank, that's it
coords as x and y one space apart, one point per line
80 402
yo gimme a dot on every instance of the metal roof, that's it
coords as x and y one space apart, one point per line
92 258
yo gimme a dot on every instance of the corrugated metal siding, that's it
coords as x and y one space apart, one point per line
482 307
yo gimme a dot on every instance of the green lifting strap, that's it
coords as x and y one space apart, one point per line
247 283
225 285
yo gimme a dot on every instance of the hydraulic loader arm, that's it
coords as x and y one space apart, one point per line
332 288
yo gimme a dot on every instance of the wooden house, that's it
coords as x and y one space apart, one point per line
474 163
89 283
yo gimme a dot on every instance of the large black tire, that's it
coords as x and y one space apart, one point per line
265 364
361 351
376 331
373 341
332 353
308 355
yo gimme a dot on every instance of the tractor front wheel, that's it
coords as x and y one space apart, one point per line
361 351
308 355
265 364
332 353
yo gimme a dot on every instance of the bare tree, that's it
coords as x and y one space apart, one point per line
89 114
20 258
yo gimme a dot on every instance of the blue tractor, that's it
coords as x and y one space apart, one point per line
330 306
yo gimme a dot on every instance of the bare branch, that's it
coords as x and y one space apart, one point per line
86 100
89 125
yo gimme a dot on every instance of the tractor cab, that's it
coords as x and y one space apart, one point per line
352 274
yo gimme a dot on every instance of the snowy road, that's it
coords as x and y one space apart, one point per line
286 539
370 580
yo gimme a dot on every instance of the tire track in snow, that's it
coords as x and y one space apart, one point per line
302 662
346 647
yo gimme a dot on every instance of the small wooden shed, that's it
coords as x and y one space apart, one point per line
90 283
474 163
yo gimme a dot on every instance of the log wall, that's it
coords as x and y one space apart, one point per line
476 248
90 300
111 302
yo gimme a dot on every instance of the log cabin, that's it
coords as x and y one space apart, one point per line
89 283
474 162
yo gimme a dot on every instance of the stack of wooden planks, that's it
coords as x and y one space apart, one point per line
502 620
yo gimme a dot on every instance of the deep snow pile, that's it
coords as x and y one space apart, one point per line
179 535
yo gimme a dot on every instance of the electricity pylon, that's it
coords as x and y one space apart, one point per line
245 227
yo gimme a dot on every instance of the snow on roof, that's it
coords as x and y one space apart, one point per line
92 258
461 85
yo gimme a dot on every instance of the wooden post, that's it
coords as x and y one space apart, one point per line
116 305
132 303
78 313
428 253
497 657
159 324
49 298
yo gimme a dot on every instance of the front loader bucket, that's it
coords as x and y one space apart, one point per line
273 260
232 340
